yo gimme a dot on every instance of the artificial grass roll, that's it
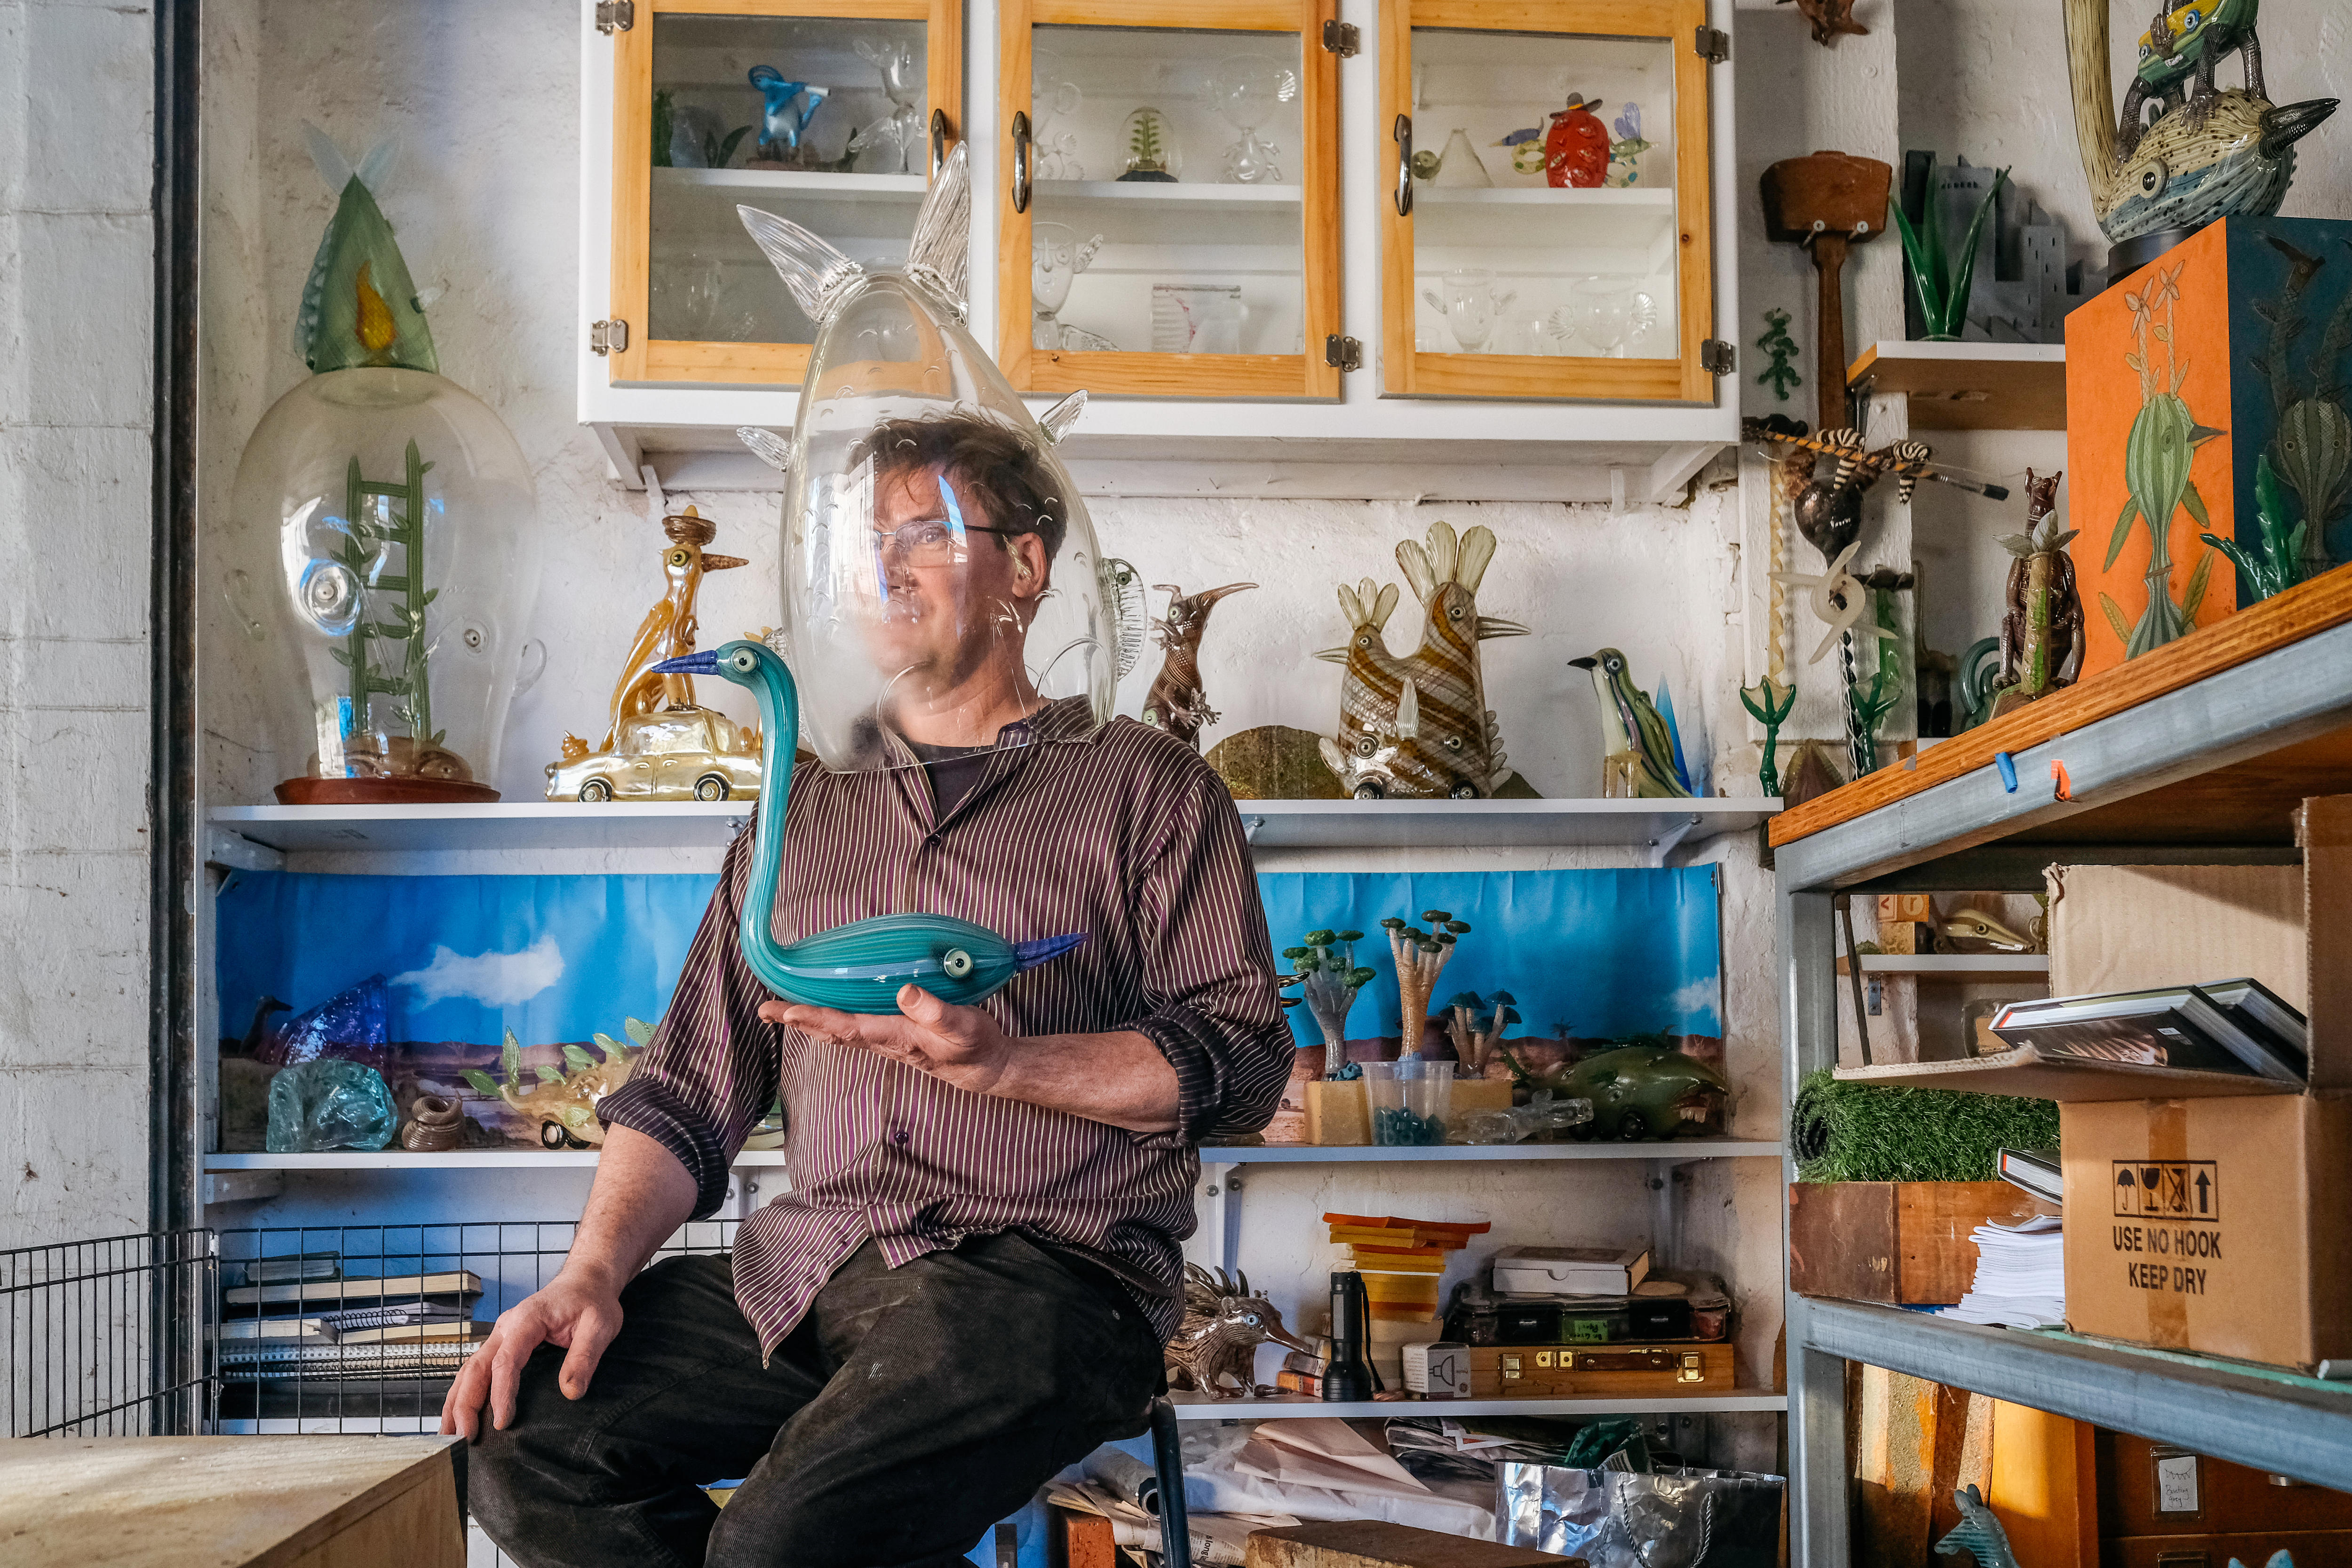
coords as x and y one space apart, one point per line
1869 1132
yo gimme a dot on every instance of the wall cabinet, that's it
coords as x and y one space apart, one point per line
1208 217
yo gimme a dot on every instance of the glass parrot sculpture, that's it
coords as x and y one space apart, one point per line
859 967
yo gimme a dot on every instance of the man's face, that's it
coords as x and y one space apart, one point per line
947 606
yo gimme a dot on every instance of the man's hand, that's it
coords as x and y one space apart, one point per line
961 1045
578 1311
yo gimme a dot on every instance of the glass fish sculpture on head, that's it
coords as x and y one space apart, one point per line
942 587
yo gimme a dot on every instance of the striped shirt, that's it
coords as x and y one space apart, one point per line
1121 833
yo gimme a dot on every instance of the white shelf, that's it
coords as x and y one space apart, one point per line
1309 1154
1153 191
1200 1408
1544 196
800 182
456 1160
1955 965
1653 824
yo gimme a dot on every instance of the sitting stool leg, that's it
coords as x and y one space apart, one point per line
1168 1454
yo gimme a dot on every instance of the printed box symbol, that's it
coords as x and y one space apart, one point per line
2167 1189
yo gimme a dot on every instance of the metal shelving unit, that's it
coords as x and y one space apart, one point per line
2197 753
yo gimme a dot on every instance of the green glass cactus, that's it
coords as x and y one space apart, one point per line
2277 566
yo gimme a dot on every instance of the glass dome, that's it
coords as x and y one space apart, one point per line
382 549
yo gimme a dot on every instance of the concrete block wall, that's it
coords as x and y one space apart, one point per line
77 138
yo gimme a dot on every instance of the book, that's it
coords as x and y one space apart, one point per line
1312 1362
2141 1028
2230 1011
2034 1171
1570 1270
267 1359
278 1329
1310 1383
290 1266
459 1284
457 1330
351 1317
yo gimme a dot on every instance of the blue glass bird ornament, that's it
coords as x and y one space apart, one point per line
780 128
859 967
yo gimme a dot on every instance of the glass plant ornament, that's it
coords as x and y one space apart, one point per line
321 1105
1057 256
1626 147
561 1103
892 365
1248 89
1328 978
1054 99
903 84
1470 306
381 549
1458 164
1150 151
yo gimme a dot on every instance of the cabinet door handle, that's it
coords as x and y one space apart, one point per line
939 140
1401 134
1020 160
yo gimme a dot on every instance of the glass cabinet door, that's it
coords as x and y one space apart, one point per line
828 112
1545 208
1170 221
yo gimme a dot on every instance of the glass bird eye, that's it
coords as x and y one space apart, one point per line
957 963
679 558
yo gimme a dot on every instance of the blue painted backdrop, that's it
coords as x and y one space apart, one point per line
557 958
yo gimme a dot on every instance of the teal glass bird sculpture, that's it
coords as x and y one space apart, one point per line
859 967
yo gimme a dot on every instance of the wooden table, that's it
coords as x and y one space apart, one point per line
230 1502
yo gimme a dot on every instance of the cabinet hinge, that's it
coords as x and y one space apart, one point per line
1345 353
607 337
1342 38
1712 43
615 15
1718 357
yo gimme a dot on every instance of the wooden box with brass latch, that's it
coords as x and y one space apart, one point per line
1562 1372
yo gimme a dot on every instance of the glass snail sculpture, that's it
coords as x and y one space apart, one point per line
890 344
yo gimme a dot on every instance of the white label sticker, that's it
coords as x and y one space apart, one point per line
2176 1484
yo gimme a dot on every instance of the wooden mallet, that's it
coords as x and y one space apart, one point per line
1827 202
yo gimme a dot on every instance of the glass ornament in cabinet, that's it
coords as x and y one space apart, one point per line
384 549
1248 89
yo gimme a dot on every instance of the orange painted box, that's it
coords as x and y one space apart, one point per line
2228 351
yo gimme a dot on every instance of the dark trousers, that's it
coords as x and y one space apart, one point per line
910 1409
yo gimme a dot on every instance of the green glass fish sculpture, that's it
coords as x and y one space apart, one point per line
859 967
359 306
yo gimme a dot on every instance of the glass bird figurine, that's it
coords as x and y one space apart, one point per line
859 967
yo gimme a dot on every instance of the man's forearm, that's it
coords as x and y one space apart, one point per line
640 1195
1118 1079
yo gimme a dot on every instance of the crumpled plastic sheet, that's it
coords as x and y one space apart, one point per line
1665 1519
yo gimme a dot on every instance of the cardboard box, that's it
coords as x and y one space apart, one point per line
1902 1244
2228 323
1335 1111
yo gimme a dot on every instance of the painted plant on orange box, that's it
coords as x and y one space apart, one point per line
2164 441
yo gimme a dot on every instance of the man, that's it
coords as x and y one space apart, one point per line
970 1282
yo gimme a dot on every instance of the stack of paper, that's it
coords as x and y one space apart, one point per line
2020 1275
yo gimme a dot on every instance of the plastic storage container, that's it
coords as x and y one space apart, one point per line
1409 1100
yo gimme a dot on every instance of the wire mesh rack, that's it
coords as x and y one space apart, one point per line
361 1328
105 1337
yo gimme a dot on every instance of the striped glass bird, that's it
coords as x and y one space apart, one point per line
859 967
1640 754
1418 727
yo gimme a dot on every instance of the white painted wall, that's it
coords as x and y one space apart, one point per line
76 346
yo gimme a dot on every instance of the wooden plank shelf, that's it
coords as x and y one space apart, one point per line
1969 387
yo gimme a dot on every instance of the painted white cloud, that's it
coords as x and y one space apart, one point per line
1696 1000
492 979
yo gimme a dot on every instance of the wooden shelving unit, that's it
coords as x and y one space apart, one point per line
1969 387
2197 753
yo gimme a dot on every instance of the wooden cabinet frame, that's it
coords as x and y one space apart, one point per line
1406 371
646 359
1298 375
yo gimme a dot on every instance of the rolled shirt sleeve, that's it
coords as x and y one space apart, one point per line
1209 986
709 1074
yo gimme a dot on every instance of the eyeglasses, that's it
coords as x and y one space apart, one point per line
932 542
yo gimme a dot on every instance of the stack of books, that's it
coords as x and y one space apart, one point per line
1302 1371
2227 1026
2020 1275
303 1319
1400 1259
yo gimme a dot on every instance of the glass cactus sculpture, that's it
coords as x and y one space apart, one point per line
1420 957
1328 978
